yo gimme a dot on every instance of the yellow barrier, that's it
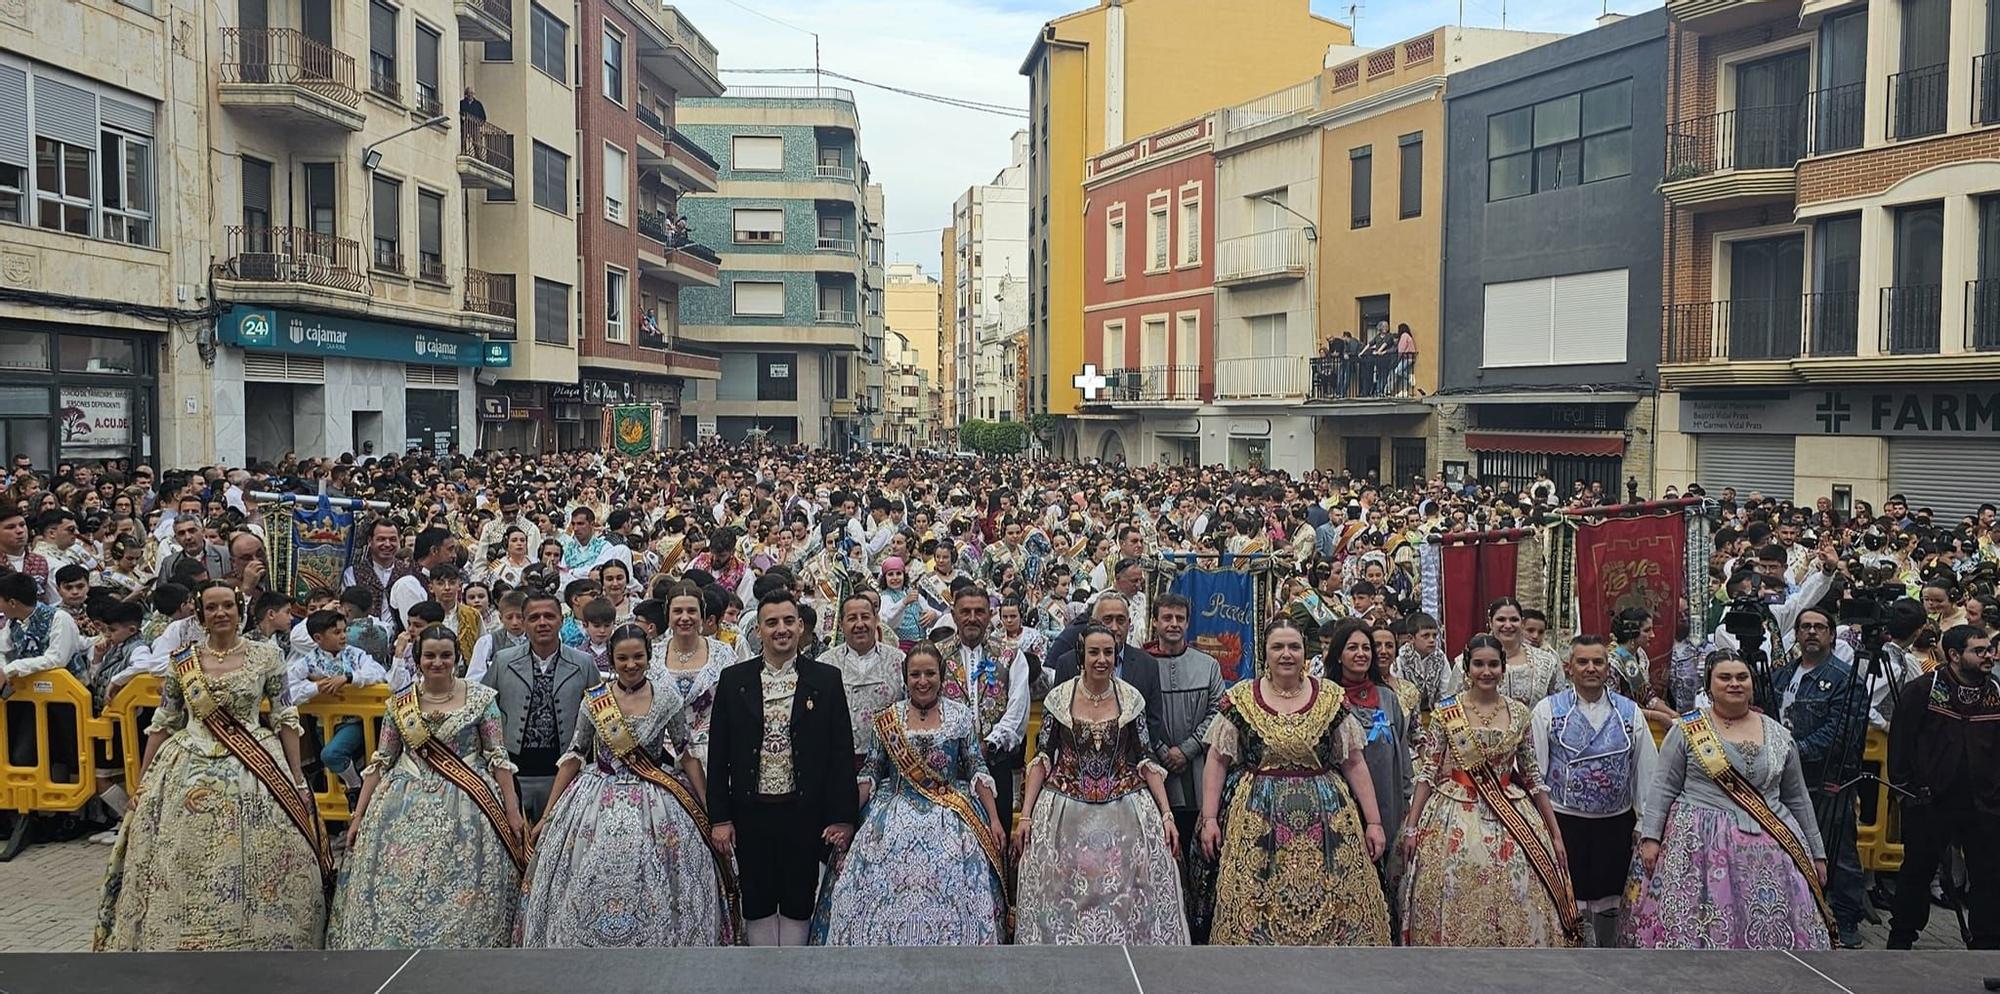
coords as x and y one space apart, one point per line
60 707
323 713
1878 831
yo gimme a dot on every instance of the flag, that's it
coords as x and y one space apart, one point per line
1224 622
632 428
312 542
1474 574
1637 561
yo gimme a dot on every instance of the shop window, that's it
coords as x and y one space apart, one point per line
87 354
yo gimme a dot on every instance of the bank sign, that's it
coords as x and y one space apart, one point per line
303 333
1964 411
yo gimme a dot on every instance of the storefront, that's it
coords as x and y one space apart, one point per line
318 384
514 414
1510 438
75 394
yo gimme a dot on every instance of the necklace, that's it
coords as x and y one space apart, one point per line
683 658
444 698
218 655
923 713
1096 698
1728 722
1283 694
1486 714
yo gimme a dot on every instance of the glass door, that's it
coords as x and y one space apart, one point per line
1766 277
1770 101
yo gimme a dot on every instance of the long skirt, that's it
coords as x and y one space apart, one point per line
621 864
427 871
1469 884
1295 869
1716 886
1099 874
915 875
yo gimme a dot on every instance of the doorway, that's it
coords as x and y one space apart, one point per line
1766 278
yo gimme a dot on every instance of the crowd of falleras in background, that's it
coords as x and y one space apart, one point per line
782 696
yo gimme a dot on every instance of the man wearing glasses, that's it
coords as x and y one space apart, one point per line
1827 713
1943 744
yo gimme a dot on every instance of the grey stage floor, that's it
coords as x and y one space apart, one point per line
1097 970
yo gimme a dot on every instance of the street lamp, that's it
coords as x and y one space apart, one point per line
371 158
1312 228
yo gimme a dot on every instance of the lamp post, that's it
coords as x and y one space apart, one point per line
1312 276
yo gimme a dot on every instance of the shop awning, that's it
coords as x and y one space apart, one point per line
1546 445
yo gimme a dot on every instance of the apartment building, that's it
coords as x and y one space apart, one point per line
908 420
104 321
910 309
1552 245
1149 297
797 227
635 166
1098 77
988 247
1000 355
949 400
1833 251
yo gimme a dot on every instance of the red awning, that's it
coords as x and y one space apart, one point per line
1545 445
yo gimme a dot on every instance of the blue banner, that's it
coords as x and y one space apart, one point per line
1224 623
316 548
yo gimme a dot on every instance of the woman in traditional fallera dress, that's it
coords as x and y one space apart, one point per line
435 850
691 662
1302 824
1485 860
622 858
1730 852
211 854
925 866
1097 848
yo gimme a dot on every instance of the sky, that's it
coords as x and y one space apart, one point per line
926 154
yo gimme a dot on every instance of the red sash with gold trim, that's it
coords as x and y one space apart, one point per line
1706 746
201 702
441 758
617 736
1479 769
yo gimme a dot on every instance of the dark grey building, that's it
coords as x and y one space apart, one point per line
1552 234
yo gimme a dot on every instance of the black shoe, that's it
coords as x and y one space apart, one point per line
1882 897
1850 937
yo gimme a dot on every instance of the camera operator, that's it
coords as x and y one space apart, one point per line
1781 609
1827 715
1943 747
1900 664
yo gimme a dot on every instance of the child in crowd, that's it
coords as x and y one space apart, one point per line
271 621
101 666
575 596
509 629
1423 664
73 591
599 618
446 583
365 631
330 667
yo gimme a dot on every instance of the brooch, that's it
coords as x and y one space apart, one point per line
809 704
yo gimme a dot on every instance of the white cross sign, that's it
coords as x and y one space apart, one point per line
1090 381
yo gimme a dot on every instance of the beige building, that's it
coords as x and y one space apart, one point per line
106 333
987 248
911 304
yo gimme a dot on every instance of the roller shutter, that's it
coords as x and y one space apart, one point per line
1763 463
1951 476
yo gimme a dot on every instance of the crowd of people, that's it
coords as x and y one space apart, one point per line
782 696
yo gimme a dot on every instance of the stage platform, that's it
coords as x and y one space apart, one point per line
1018 969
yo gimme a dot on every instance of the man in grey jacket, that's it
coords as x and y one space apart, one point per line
540 686
1191 688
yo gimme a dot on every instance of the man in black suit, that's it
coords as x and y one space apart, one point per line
778 802
1135 665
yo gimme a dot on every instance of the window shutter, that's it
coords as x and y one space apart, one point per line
1517 323
65 113
14 116
761 220
1589 317
117 113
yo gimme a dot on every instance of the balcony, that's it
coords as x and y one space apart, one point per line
1917 101
678 54
485 155
1711 17
1269 377
835 243
837 172
283 75
491 294
837 316
678 161
292 257
1153 386
1986 89
1982 315
668 256
1912 318
382 82
1265 257
1734 158
1834 118
1383 376
484 20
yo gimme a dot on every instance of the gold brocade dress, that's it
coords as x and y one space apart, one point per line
1294 868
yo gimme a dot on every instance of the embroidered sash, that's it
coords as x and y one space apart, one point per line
617 736
201 702
1486 783
1706 746
417 737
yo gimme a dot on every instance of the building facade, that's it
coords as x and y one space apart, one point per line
1552 239
1097 78
1149 354
988 248
910 309
791 222
1833 178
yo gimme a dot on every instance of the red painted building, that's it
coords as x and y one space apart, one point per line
635 58
1149 294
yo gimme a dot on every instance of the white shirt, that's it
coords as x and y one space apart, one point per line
1784 614
64 641
304 689
409 592
1646 754
153 659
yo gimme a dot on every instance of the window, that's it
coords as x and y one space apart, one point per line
1111 348
430 95
614 66
319 197
1269 335
430 236
1191 225
1187 342
1557 321
1360 185
388 224
62 186
614 183
757 153
551 179
548 43
498 51
126 184
614 304
551 312
777 377
13 188
1114 242
382 50
1159 235
756 299
760 225
1579 138
255 187
1411 175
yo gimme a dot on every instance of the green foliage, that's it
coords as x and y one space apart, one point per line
998 438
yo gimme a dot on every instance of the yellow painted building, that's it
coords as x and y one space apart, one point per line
910 309
1122 68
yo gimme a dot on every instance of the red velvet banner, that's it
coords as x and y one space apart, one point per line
1474 575
1632 562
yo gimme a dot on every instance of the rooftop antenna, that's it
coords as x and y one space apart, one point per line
1354 21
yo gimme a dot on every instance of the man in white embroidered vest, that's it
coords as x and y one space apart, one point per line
871 671
1597 758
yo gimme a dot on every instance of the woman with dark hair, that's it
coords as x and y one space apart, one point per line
1097 846
435 850
623 858
1634 673
1302 823
1531 672
925 866
1730 852
1486 860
